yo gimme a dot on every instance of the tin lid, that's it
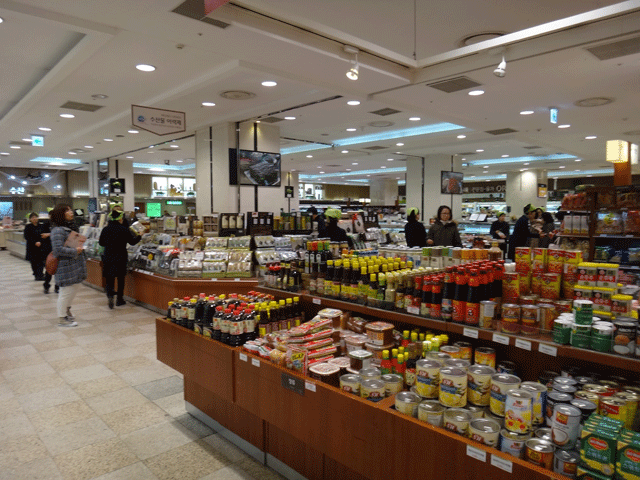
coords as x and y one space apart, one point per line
351 378
452 372
533 387
568 410
324 369
481 369
515 436
427 363
510 305
565 388
360 354
584 405
369 372
458 414
595 388
391 378
475 408
544 433
519 394
373 384
488 302
627 396
485 425
626 323
505 378
457 362
567 456
408 397
439 356
431 406
559 397
530 307
540 445
618 402
485 350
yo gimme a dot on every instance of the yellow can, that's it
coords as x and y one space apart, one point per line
453 387
631 400
428 378
452 350
479 384
614 408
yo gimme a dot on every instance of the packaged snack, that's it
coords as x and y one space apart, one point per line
631 222
609 223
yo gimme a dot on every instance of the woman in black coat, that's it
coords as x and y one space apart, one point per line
500 230
36 236
414 232
114 238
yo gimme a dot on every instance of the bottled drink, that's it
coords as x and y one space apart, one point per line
473 299
399 301
337 279
325 280
236 329
345 281
460 296
353 286
299 315
225 326
382 287
425 300
191 313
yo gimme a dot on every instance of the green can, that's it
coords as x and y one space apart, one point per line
562 331
581 336
601 338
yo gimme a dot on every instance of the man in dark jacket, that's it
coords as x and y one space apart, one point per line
315 217
332 230
500 230
521 231
36 235
114 238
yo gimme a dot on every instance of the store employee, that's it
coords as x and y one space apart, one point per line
414 231
332 230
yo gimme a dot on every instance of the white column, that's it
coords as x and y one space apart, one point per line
119 168
383 191
428 186
522 189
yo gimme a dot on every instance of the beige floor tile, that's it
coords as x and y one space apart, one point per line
23 361
95 460
151 441
147 374
44 382
111 355
137 471
60 415
75 435
223 446
188 462
95 337
131 363
139 339
258 470
17 352
12 342
231 472
126 333
32 372
73 363
85 374
67 352
134 418
17 425
108 346
43 337
6 392
149 348
115 326
173 404
100 386
116 400
39 469
18 450
42 325
55 345
47 398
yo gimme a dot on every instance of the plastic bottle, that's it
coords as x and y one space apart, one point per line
382 287
236 329
385 364
216 329
394 360
225 326
436 297
473 299
425 300
399 301
363 286
390 293
299 314
170 312
448 291
460 296
191 313
325 282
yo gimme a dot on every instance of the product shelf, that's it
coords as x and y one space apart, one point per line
569 235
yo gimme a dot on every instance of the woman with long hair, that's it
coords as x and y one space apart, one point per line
414 231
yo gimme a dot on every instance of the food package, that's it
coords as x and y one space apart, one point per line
296 359
628 200
632 222
609 223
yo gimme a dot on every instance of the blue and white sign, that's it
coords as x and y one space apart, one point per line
553 115
158 120
37 141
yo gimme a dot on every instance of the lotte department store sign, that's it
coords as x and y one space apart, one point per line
158 120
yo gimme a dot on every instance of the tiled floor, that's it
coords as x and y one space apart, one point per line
92 402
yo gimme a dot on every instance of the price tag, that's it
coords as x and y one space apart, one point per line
603 235
236 279
548 349
214 279
243 357
317 301
292 383
501 463
523 344
470 332
255 362
629 236
476 453
413 310
503 339
310 386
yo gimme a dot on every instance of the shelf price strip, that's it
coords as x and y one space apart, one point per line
523 344
476 453
503 339
548 349
470 332
502 464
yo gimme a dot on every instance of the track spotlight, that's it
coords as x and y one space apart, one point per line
501 70
352 74
354 71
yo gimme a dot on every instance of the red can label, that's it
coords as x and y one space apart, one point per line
459 311
473 314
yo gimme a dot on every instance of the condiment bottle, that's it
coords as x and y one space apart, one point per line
460 297
394 360
385 364
472 309
448 292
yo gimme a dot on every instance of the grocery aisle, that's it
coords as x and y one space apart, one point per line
92 402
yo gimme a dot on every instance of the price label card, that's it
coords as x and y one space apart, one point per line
292 383
503 339
548 349
413 310
214 279
501 463
523 344
310 386
317 301
243 357
236 279
629 236
470 332
476 453
255 362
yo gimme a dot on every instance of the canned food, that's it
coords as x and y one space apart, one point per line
566 463
457 363
611 385
457 420
565 426
466 350
485 431
562 331
518 411
614 408
539 452
477 411
451 350
548 314
562 380
553 399
500 384
539 397
563 306
550 287
580 335
601 338
485 356
546 379
370 373
506 366
350 383
392 383
530 320
430 411
453 387
479 384
528 299
632 401
439 357
543 433
510 318
583 380
513 443
487 314
493 416
586 407
427 378
571 390
589 396
407 403
599 390
372 390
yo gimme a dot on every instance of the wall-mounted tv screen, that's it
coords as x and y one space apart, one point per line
254 168
451 182
154 209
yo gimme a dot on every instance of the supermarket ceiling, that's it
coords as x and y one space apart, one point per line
417 63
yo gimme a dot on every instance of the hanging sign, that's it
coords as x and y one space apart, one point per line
542 190
288 192
158 120
116 185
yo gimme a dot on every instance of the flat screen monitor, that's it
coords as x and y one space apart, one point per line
254 168
451 182
6 210
154 209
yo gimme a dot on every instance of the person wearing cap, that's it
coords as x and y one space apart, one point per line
444 231
114 238
319 219
332 230
521 231
500 230
414 231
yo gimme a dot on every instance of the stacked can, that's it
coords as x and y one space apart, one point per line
583 318
524 269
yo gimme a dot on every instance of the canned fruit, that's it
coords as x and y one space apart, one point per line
457 420
485 431
407 403
513 443
539 395
479 384
539 452
500 384
430 411
518 411
485 356
453 387
372 390
428 378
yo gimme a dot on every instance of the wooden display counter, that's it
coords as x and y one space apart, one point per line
155 291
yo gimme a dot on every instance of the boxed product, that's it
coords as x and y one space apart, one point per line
598 444
567 224
582 292
607 274
631 222
573 257
588 274
540 255
628 456
586 474
609 223
602 298
627 199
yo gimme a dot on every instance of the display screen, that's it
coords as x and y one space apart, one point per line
6 209
254 168
451 182
154 209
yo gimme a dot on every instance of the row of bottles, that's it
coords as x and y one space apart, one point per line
285 276
235 319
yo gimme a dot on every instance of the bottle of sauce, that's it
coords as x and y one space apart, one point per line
170 312
191 313
236 328
355 276
425 298
390 292
337 279
385 364
411 360
372 295
473 299
363 286
406 338
417 293
263 322
289 321
408 291
225 326
401 369
394 360
307 258
460 296
345 282
299 314
249 325
436 297
399 301
325 281
382 287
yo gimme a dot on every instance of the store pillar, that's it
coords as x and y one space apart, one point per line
424 185
523 188
123 169
383 191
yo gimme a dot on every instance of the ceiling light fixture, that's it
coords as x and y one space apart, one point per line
414 119
44 129
389 159
526 112
351 129
321 172
578 159
353 103
526 163
590 137
67 115
143 67
345 151
208 104
128 156
399 144
15 147
617 151
1 19
289 118
383 166
501 70
108 139
475 93
269 83
562 166
133 131
461 136
564 126
505 156
354 163
479 150
309 156
174 146
88 146
4 153
354 71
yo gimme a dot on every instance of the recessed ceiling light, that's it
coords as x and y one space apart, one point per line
485 166
4 153
26 140
174 146
526 112
269 83
179 161
44 129
351 129
527 163
208 104
1 19
151 146
589 175
577 169
461 136
383 166
475 93
145 68
564 126
463 159
590 137
414 119
319 166
353 103
133 131
15 147
345 151
309 156
129 156
487 180
348 169
150 151
108 139
354 163
88 146
399 144
67 115
289 118
578 159
389 159
71 153
523 169
505 156
479 150
562 166
321 172
368 175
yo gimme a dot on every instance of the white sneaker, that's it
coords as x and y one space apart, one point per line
69 314
67 322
